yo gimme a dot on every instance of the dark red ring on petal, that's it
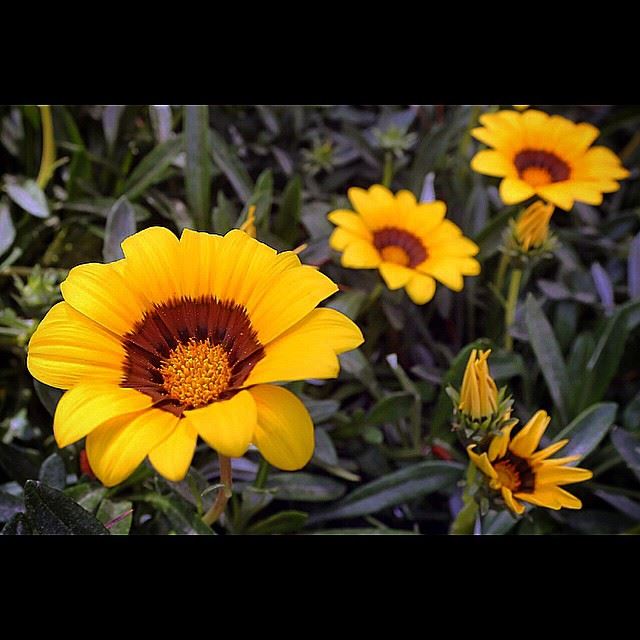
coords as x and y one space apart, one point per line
153 338
556 167
521 469
410 244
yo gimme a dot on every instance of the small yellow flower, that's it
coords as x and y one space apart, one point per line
410 243
532 227
479 394
549 156
521 107
520 474
183 338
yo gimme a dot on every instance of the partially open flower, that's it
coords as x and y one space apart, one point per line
182 338
549 156
519 472
479 394
410 243
532 227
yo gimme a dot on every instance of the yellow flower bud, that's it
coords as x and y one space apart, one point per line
479 394
532 227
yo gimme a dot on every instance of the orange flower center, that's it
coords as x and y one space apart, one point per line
196 372
400 246
540 168
396 255
515 473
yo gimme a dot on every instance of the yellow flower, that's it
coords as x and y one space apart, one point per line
521 107
410 243
520 474
249 225
179 339
550 156
532 227
479 394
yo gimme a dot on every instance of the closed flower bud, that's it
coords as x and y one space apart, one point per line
479 394
532 227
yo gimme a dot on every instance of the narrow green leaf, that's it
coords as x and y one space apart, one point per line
111 115
10 505
304 487
121 223
160 116
395 488
631 417
390 409
348 302
87 495
116 516
283 522
180 513
547 351
628 446
53 472
498 523
17 526
152 168
362 532
198 164
587 430
324 451
320 410
49 396
53 513
228 162
262 198
18 463
287 220
7 230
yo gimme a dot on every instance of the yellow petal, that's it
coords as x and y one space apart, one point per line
558 193
375 206
425 217
446 271
341 238
308 349
360 255
482 462
284 433
551 498
514 190
551 474
88 405
351 222
395 275
493 163
291 296
152 264
172 457
421 288
526 441
548 451
67 348
500 443
227 426
514 505
199 262
118 446
101 293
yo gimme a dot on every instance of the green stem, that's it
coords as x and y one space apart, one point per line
261 477
223 496
48 147
387 172
510 310
502 272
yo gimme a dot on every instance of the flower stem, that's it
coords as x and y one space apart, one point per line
261 476
387 172
48 147
510 310
502 272
223 496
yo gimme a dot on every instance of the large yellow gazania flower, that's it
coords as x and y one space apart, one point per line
520 474
180 339
408 242
550 156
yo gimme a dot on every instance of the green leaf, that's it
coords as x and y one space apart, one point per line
490 238
111 115
198 164
304 487
224 215
7 230
283 522
30 197
111 513
152 168
10 505
121 223
324 451
18 463
49 396
262 198
287 219
17 526
547 351
390 409
498 523
53 513
409 483
53 472
87 495
348 302
628 446
160 117
357 365
320 410
631 416
180 513
587 430
228 162
362 532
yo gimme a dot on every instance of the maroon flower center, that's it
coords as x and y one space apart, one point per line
187 353
400 246
539 168
515 473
